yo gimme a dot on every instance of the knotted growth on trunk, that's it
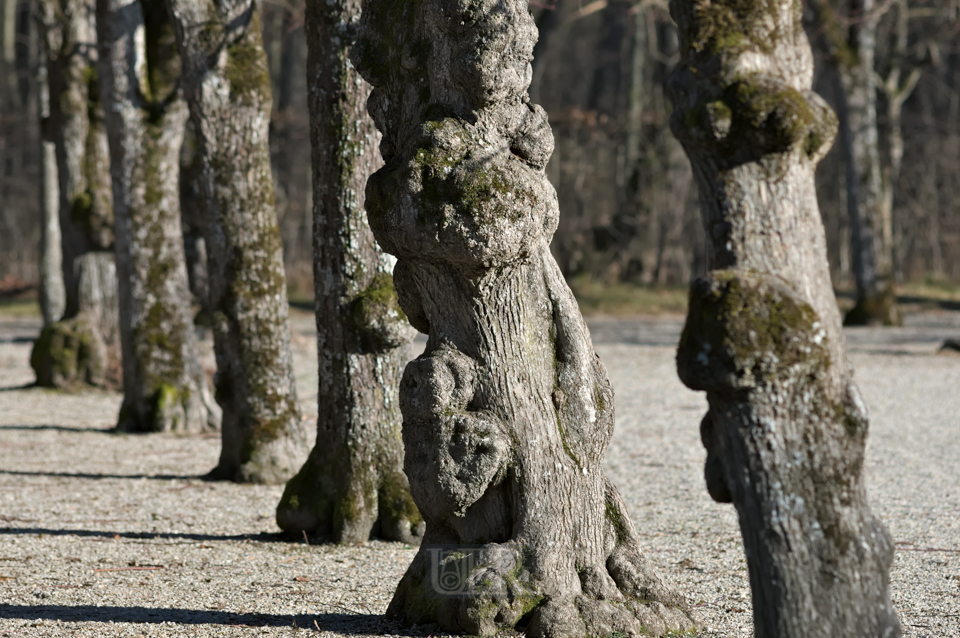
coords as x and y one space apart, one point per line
507 414
786 428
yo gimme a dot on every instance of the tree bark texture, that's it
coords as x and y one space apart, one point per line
163 383
507 414
353 484
786 428
853 52
227 87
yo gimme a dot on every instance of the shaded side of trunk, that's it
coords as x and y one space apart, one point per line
227 87
164 387
786 430
353 485
508 413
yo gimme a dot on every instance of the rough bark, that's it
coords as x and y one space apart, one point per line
227 88
75 125
853 52
163 385
786 428
353 485
507 414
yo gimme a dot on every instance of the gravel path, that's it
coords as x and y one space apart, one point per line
116 535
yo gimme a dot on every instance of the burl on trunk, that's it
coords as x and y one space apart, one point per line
507 414
786 428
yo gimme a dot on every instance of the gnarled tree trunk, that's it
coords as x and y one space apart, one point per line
353 484
163 384
507 414
227 87
786 428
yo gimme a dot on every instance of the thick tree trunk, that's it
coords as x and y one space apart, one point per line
353 484
227 87
163 384
507 414
75 125
52 293
786 428
853 51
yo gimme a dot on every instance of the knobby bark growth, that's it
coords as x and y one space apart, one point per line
852 42
507 414
786 429
353 483
163 384
75 126
227 88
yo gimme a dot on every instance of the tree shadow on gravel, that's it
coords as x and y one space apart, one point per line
343 624
264 537
84 475
60 428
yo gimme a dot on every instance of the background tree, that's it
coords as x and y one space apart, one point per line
163 384
786 429
507 414
76 126
851 34
227 87
353 483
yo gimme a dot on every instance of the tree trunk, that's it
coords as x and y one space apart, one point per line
227 88
75 125
786 429
353 484
507 414
853 51
163 384
52 293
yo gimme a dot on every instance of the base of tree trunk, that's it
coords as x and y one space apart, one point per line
876 310
69 355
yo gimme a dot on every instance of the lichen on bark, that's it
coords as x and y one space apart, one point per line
508 412
164 386
352 486
224 67
786 427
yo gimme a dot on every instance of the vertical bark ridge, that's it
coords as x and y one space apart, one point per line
507 414
352 485
227 88
164 386
786 428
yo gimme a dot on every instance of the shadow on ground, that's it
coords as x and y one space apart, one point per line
344 624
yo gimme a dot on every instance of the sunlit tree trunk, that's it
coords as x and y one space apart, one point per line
353 484
786 429
227 87
163 385
508 413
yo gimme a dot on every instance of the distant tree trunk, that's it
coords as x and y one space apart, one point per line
227 87
507 414
353 485
163 384
786 428
76 126
52 293
853 50
895 89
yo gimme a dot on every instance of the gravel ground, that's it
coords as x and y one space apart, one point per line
116 535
